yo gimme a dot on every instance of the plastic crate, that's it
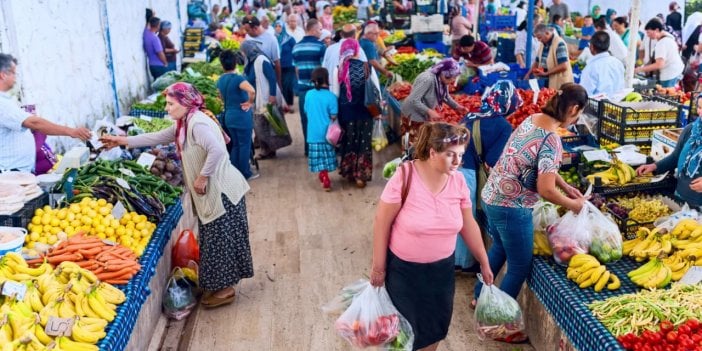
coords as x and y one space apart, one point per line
524 83
571 156
491 78
500 22
629 227
438 46
635 122
593 107
664 187
429 37
22 217
149 113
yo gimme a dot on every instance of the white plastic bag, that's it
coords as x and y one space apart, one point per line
343 300
668 223
498 316
544 214
569 236
606 239
372 320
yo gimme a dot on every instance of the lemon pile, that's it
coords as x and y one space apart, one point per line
91 217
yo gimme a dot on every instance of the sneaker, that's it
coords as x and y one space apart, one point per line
253 176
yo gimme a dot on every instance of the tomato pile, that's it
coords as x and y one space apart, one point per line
528 108
686 337
451 116
383 330
400 90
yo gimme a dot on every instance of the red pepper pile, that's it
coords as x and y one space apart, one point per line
400 90
451 116
383 330
406 50
686 337
528 108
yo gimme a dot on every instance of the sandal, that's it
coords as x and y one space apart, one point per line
360 183
265 156
212 300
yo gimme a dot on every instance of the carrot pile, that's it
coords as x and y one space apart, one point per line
114 264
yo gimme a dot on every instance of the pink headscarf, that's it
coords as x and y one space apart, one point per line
190 98
349 49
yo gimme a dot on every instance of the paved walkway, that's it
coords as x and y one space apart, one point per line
307 244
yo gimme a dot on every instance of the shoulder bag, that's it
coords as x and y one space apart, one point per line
406 181
530 176
371 95
482 172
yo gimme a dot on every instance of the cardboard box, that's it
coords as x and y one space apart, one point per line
426 24
663 142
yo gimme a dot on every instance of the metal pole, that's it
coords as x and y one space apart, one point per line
530 30
476 18
633 39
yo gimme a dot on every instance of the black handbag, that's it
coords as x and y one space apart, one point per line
529 178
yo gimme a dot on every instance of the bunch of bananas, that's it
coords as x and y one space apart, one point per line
648 244
688 229
678 264
586 271
68 291
619 173
653 274
541 246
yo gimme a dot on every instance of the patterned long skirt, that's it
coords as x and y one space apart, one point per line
355 150
225 253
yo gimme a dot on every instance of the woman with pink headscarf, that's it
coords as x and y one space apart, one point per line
357 123
215 186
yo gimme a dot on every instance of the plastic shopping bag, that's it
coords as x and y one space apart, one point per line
179 297
670 222
334 132
498 316
569 236
372 320
185 249
341 302
378 139
544 214
606 239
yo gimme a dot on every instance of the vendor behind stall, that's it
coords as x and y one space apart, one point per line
685 161
475 52
552 61
603 73
665 58
16 125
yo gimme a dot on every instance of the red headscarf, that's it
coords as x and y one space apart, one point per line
187 96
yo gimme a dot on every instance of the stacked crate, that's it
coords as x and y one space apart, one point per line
194 41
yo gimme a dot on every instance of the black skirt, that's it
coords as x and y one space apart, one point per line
423 293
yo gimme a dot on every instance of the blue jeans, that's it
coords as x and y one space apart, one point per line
464 258
512 235
241 150
303 116
157 71
669 83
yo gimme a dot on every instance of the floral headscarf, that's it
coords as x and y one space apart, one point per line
190 98
349 49
501 99
448 68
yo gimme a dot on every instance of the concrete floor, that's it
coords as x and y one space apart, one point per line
307 244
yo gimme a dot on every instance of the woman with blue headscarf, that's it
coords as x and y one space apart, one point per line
610 16
490 131
286 42
687 159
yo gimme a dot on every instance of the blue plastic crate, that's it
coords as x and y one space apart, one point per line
498 22
429 37
150 113
491 78
473 86
524 83
438 46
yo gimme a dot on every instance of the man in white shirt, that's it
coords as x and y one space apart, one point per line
603 73
266 41
616 45
16 125
293 29
332 54
668 62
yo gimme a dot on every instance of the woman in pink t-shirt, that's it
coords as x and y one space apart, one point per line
415 237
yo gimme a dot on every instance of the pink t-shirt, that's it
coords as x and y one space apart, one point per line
425 229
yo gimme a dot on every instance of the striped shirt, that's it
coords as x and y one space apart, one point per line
308 54
15 152
480 55
561 54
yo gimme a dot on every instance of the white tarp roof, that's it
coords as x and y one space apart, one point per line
649 8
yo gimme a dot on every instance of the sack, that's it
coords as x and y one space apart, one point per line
530 176
372 97
276 119
606 239
498 316
178 299
378 139
372 320
185 249
334 133
570 236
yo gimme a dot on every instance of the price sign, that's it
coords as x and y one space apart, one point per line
119 210
127 172
123 183
145 117
146 159
14 289
692 276
59 326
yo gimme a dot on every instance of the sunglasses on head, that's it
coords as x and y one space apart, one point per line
455 139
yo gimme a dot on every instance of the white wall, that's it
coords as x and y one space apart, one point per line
63 56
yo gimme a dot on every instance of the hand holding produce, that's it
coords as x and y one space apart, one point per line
110 141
